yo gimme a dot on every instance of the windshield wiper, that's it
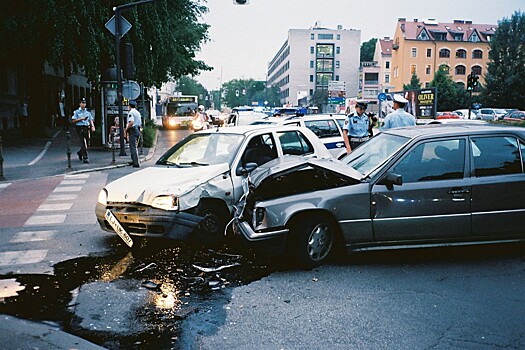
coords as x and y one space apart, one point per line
167 162
193 163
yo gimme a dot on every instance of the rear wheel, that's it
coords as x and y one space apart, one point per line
313 240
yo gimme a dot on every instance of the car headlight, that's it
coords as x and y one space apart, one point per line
103 197
258 216
165 202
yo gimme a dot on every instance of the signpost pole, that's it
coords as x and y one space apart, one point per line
119 81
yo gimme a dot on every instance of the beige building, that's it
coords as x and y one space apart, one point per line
421 47
383 57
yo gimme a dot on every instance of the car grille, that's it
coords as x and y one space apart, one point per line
121 209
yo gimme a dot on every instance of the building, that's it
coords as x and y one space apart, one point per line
383 57
310 58
421 47
369 84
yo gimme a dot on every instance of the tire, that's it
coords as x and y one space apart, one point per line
313 240
210 230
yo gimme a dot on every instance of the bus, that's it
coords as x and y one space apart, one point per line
179 111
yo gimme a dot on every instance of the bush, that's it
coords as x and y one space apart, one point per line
149 133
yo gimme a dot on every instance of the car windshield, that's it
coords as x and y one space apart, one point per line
500 111
371 154
203 149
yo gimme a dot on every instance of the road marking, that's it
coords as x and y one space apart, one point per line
67 189
4 185
45 220
33 236
77 176
41 154
62 197
72 182
22 257
55 207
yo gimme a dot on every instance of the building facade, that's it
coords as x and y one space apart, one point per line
383 57
310 58
421 47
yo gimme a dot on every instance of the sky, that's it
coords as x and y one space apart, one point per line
244 38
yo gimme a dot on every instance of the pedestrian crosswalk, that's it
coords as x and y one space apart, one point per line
39 228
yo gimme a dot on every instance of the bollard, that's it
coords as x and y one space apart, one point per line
1 162
68 151
113 147
141 142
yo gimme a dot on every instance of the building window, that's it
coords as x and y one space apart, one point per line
312 36
474 38
311 64
338 50
461 53
477 54
423 35
337 78
325 36
311 92
460 70
312 49
387 64
444 53
337 64
325 50
311 78
387 78
412 69
429 52
476 70
428 69
414 52
445 68
338 36
427 84
458 37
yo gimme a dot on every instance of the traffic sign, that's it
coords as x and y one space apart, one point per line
130 90
125 26
381 97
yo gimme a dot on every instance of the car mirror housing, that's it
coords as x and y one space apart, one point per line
390 179
245 170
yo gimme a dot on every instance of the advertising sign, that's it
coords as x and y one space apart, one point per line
422 103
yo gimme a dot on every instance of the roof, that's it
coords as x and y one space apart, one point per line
450 130
386 46
412 30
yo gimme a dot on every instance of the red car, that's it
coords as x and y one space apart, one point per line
447 115
516 116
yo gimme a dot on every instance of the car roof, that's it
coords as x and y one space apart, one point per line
248 129
453 129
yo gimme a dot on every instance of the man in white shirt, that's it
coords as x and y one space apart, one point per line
399 117
133 130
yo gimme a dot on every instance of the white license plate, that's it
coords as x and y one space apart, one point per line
118 228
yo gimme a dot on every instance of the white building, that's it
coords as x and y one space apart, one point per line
310 58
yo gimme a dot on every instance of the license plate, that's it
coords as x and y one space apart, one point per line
118 228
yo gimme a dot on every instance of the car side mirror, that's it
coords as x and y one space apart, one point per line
391 179
245 170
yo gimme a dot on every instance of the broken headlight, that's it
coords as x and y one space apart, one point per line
167 202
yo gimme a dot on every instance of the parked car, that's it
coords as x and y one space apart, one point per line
328 127
455 121
491 113
214 117
244 118
447 115
463 113
190 192
516 116
407 187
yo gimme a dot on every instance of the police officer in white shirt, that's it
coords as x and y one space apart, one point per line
355 128
399 117
133 130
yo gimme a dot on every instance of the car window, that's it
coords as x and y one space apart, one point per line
496 156
323 128
341 122
295 143
260 149
436 160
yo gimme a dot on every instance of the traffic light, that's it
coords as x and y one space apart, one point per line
126 60
475 81
470 82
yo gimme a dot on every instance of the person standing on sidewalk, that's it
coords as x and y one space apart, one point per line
133 131
84 123
399 118
355 128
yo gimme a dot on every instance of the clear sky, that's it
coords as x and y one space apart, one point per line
244 38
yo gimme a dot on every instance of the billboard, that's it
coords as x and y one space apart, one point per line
422 103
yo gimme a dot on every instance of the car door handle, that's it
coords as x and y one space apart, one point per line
458 191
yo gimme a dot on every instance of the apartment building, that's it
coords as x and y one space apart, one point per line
310 58
383 59
421 47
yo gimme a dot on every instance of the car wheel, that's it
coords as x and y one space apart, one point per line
211 228
313 240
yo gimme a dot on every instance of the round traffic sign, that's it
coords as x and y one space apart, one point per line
130 90
381 96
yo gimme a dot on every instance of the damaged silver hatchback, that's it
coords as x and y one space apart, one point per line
408 187
190 192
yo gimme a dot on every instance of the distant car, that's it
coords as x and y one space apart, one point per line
463 113
455 121
491 113
244 118
516 116
328 127
447 115
190 192
214 117
421 186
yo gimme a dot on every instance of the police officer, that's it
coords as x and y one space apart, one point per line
84 122
133 130
399 117
355 129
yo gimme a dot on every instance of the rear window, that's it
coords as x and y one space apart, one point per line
323 128
295 143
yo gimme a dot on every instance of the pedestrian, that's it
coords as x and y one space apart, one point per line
372 123
133 131
399 117
62 114
355 128
84 123
23 113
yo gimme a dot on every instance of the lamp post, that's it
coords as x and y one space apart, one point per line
118 18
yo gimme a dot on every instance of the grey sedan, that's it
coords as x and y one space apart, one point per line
407 187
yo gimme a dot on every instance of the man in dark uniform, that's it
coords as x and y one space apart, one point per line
355 129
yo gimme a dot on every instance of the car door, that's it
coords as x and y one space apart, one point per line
498 186
330 135
433 202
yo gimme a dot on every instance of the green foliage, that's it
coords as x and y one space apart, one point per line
149 133
240 92
505 78
450 95
320 98
189 86
415 83
367 50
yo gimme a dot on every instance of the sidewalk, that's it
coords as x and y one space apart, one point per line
47 156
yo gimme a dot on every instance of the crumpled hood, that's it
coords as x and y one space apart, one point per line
144 185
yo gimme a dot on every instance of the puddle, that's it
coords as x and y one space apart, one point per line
131 299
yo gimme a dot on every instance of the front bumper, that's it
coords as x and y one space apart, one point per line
270 242
141 220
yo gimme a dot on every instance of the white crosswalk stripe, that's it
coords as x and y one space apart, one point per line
55 207
67 189
4 185
33 236
62 197
37 220
22 257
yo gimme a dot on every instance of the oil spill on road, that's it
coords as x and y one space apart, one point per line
131 299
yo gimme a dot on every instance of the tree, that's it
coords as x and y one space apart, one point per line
240 92
189 86
367 50
505 78
70 34
415 83
450 96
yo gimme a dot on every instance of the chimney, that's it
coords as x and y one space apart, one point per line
400 19
415 20
459 21
468 22
387 38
